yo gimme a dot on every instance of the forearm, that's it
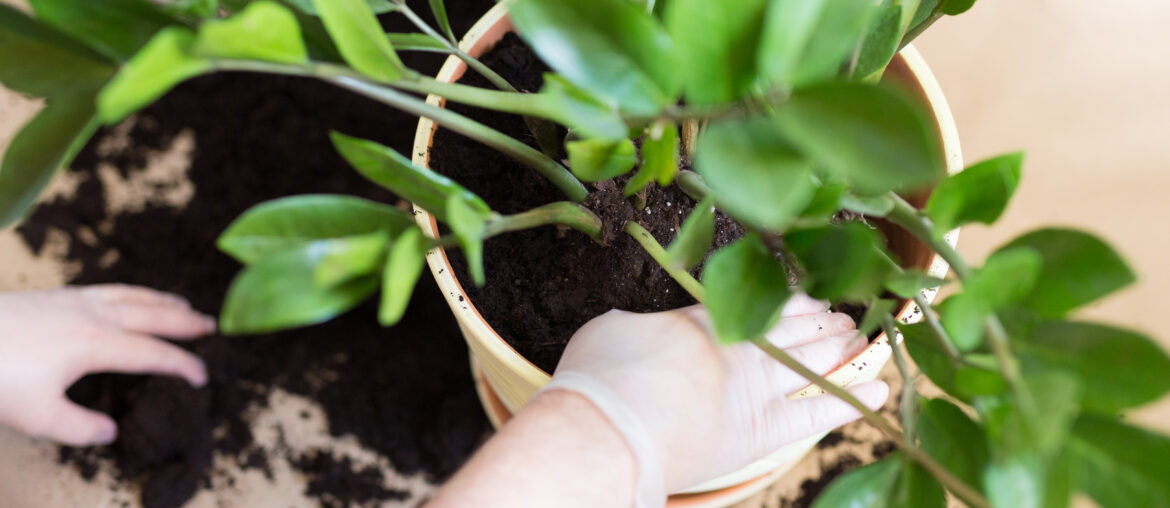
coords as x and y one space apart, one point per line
558 451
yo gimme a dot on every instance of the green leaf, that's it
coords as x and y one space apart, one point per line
869 135
594 160
884 34
872 206
1014 434
946 433
978 194
1015 483
440 12
38 60
403 268
694 239
359 38
976 382
377 6
1117 368
1004 280
908 283
1118 465
386 167
868 486
115 28
263 31
806 41
162 64
754 175
925 8
581 111
843 262
879 309
292 222
916 488
825 203
196 8
47 142
718 41
278 293
612 48
930 358
746 289
955 7
416 42
469 225
350 258
1078 268
659 157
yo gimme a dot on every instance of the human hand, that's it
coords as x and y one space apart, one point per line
50 339
702 410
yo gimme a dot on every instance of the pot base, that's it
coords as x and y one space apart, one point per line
499 414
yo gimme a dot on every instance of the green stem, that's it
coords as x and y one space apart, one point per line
510 102
937 331
652 247
909 400
561 213
692 184
913 33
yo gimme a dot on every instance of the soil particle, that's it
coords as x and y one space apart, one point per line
338 483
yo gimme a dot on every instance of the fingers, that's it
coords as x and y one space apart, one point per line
798 330
800 304
162 320
123 293
824 355
789 421
74 425
132 353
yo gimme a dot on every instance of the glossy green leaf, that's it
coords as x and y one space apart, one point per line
718 41
47 142
403 268
469 225
660 156
916 488
1013 434
869 135
265 30
359 38
38 60
826 201
754 175
908 283
746 289
840 262
955 7
581 111
978 194
871 206
868 486
440 12
946 433
594 160
612 48
1078 268
806 41
883 36
278 293
164 62
694 238
1017 482
879 309
1117 368
930 358
288 223
115 28
386 167
377 6
350 258
416 42
925 8
1119 465
1005 279
976 382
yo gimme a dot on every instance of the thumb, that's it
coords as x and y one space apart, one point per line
790 420
74 425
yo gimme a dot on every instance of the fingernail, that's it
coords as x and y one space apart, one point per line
199 379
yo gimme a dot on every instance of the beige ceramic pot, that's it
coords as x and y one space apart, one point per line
507 380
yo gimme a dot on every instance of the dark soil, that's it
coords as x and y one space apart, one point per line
543 284
404 392
330 475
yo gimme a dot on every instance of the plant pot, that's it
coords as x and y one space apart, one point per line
508 380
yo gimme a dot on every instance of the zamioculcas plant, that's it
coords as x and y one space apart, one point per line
777 105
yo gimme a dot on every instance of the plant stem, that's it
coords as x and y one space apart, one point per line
684 278
909 400
937 330
561 212
913 33
692 184
510 102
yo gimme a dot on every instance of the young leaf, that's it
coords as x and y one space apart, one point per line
694 238
278 293
659 158
288 223
377 6
746 289
264 30
840 262
440 12
806 41
359 38
115 28
978 194
162 64
612 48
415 42
869 135
718 41
866 486
1119 465
955 7
469 225
594 160
883 36
1078 268
581 111
1004 280
1118 368
33 58
908 283
349 258
403 267
47 142
386 167
879 309
753 174
946 433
